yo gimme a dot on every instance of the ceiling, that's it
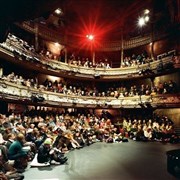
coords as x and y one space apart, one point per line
103 18
19 10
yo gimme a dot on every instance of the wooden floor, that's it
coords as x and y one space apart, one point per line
118 161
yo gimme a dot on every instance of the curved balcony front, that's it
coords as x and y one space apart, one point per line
12 92
34 61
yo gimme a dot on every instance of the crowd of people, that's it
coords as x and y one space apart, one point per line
128 61
156 129
136 60
49 135
86 62
79 89
113 91
27 51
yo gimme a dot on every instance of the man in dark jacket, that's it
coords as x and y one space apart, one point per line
46 154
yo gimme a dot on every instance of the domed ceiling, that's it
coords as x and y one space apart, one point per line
105 19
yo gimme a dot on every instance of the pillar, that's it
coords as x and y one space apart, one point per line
66 57
1 72
122 47
93 57
152 81
36 37
152 49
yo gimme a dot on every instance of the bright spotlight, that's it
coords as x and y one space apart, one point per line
146 18
141 21
58 11
90 37
146 11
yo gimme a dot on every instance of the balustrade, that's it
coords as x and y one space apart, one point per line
79 71
9 90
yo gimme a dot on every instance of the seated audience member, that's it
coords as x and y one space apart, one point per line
73 143
10 139
148 134
79 138
36 135
7 171
47 154
60 141
17 153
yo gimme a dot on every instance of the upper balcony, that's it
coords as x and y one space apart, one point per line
11 51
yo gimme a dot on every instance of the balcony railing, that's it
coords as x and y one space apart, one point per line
18 53
14 92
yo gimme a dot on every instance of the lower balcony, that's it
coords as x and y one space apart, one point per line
20 94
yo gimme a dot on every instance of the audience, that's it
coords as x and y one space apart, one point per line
56 133
78 89
26 52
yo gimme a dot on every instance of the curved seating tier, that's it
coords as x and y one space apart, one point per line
14 92
64 69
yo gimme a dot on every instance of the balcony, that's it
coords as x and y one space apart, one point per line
16 54
12 92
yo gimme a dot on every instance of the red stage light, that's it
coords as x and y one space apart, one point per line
90 37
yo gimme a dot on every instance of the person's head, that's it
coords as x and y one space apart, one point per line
32 125
20 137
11 136
48 142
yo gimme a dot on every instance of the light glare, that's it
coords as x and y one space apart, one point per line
58 11
146 18
141 22
90 37
146 11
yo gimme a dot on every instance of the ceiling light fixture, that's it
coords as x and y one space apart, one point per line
58 11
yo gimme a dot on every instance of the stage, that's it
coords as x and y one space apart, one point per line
101 161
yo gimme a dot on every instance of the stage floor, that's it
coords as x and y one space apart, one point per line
117 161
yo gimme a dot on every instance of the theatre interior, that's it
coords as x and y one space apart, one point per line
90 90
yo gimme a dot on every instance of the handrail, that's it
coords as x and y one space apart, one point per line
21 93
166 99
80 71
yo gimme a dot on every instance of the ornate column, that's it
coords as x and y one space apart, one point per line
66 57
152 41
152 81
1 72
93 57
122 47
